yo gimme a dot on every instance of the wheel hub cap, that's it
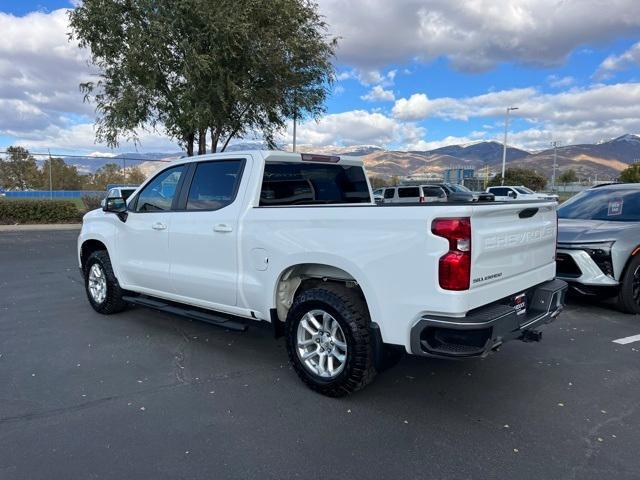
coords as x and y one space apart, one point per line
97 283
321 344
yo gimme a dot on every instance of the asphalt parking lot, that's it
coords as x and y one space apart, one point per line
148 395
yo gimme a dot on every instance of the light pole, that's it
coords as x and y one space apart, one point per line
504 146
555 164
50 176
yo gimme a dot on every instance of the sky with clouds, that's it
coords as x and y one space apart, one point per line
411 74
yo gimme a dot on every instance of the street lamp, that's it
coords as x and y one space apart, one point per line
554 144
504 146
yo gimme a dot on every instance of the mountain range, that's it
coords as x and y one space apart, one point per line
603 160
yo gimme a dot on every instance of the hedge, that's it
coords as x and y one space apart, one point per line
38 211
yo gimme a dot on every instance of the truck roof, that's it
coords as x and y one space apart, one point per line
277 156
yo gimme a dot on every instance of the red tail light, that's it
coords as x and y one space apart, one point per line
454 271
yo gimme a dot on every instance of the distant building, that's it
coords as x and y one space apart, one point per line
458 175
421 178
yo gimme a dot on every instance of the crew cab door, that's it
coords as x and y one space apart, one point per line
203 241
143 239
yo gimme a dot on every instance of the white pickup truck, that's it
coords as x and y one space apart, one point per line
296 240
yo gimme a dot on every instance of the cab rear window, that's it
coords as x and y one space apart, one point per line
312 184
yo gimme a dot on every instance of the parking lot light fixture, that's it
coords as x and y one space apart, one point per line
504 146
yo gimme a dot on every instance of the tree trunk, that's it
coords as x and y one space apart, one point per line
215 137
202 141
189 141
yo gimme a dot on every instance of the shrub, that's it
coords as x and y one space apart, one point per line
38 211
91 202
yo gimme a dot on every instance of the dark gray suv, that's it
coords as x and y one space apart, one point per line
599 243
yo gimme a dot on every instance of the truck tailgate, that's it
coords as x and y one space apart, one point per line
510 239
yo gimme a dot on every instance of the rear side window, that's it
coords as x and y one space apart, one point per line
389 192
433 192
214 185
158 195
408 192
311 183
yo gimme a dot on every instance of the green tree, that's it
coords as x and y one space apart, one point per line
229 67
19 170
378 182
63 176
520 176
135 176
106 175
631 174
568 176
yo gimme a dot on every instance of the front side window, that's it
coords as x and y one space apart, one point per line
389 192
158 195
126 192
499 191
214 185
286 183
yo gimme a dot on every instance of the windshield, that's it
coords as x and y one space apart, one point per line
524 190
459 188
603 204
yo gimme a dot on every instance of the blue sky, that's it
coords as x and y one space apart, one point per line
412 74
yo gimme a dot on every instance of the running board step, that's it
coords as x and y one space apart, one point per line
213 319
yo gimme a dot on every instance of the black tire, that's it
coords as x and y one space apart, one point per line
113 302
349 309
629 295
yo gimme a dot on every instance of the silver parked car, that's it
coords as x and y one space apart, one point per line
599 243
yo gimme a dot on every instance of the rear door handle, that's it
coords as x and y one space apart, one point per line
223 228
159 226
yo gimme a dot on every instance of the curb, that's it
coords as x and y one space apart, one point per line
40 227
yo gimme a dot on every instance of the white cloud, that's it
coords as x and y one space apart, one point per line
379 94
598 103
560 82
573 116
40 71
614 63
368 77
356 127
80 138
475 34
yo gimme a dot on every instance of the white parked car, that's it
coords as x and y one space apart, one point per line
118 192
411 194
296 240
519 192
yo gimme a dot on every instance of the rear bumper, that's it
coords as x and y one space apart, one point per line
486 328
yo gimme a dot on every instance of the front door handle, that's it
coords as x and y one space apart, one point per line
223 227
159 226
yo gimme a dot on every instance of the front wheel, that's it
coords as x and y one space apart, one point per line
328 340
103 290
629 296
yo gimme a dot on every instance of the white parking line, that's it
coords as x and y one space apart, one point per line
625 340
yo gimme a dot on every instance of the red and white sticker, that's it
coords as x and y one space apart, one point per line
520 304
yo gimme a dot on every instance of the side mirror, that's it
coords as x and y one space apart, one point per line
513 194
115 205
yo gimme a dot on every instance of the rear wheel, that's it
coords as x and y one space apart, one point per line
629 295
103 290
328 340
